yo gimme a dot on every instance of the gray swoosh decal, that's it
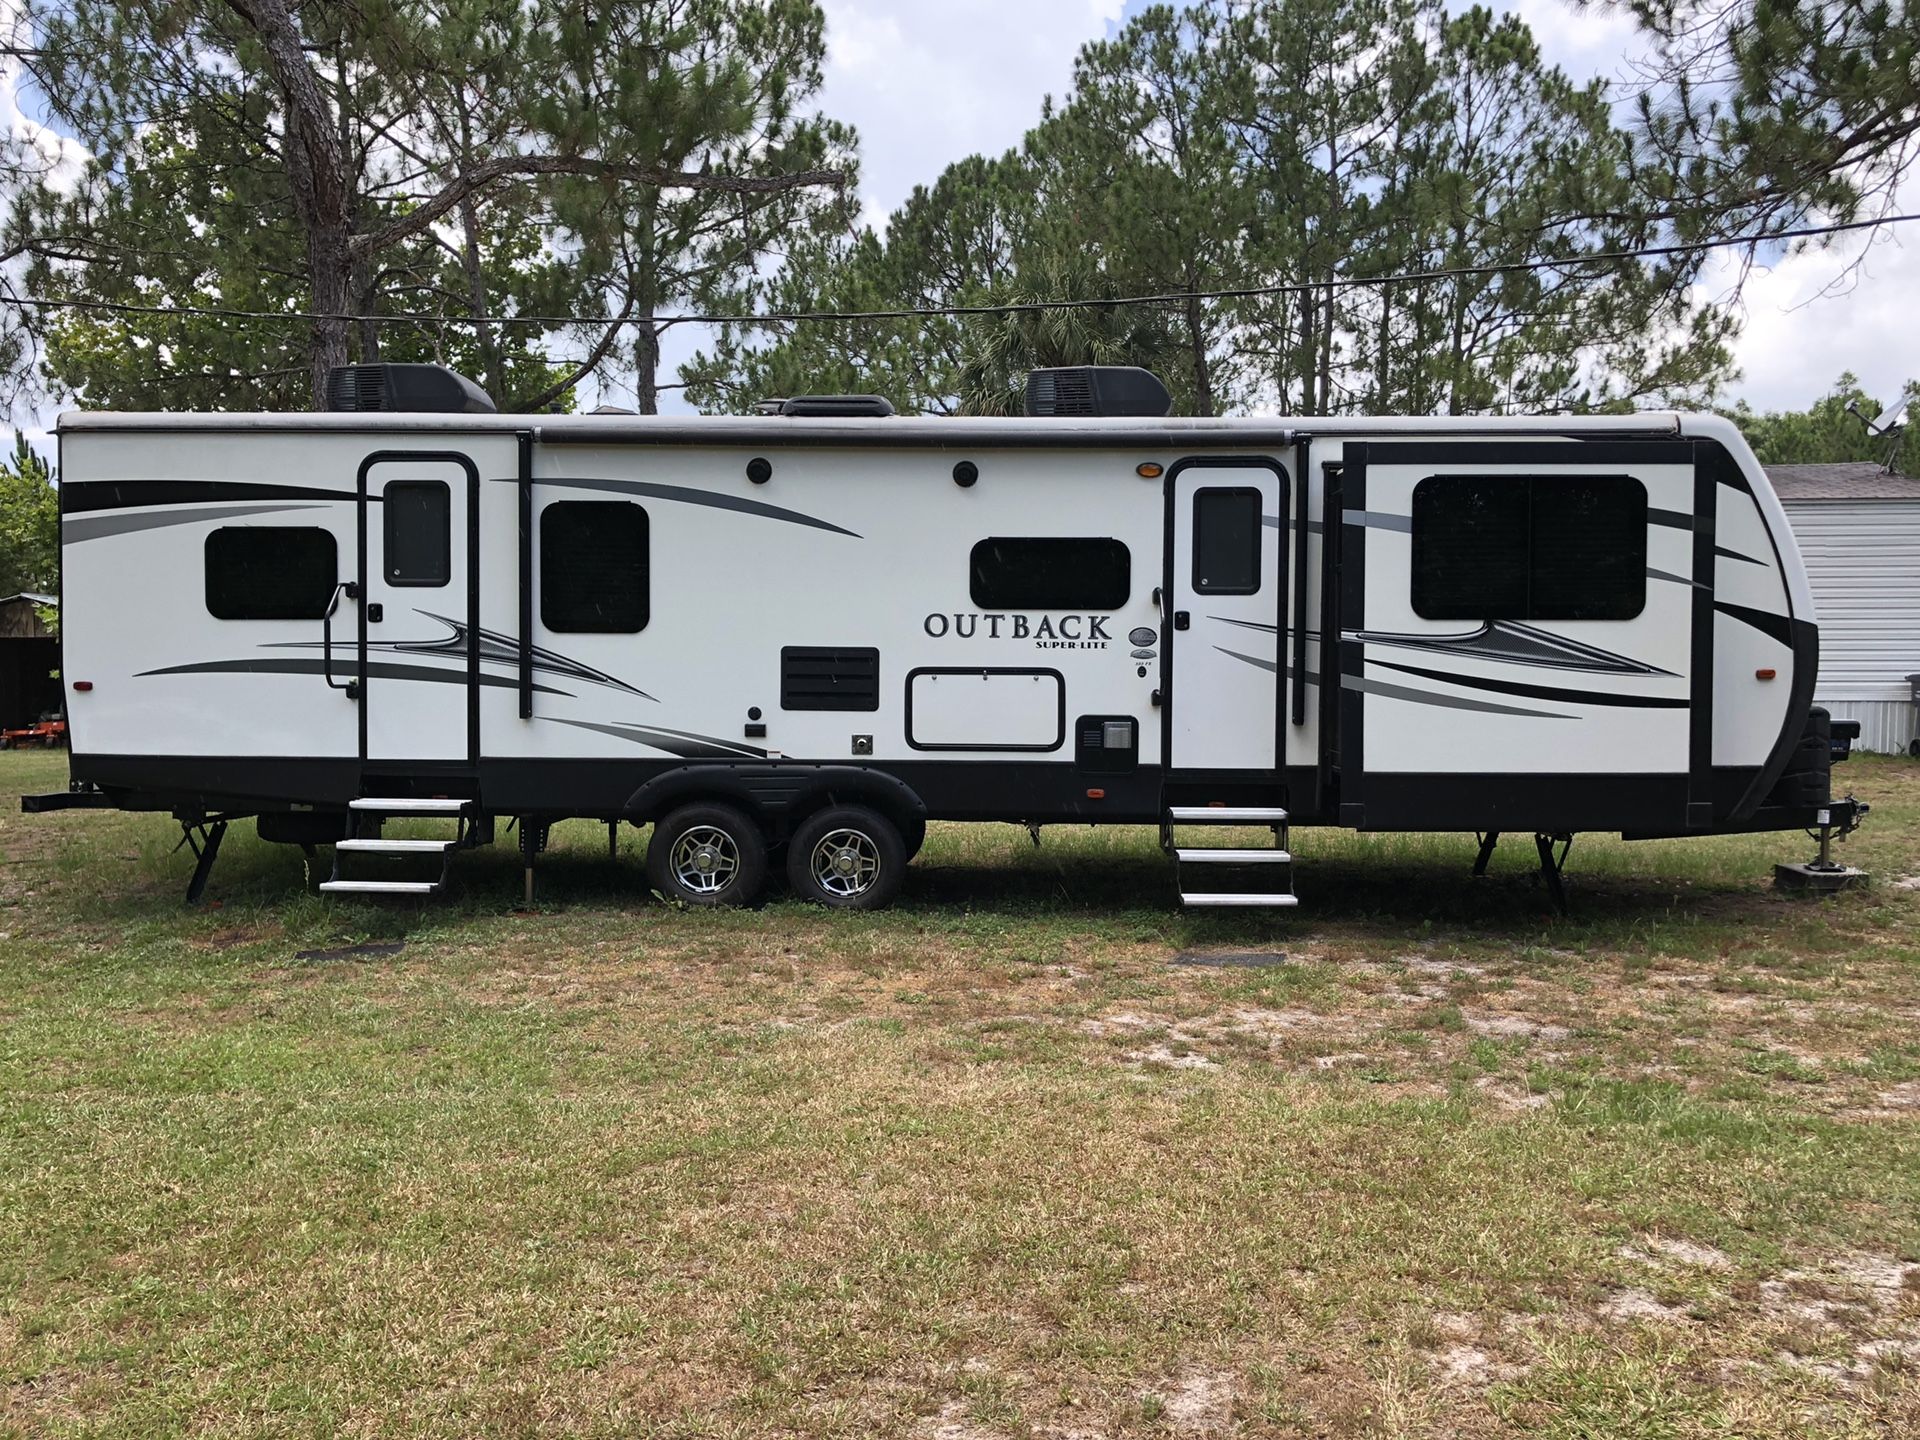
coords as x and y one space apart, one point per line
689 496
345 670
1374 520
495 649
1250 659
1445 702
1514 643
76 528
674 742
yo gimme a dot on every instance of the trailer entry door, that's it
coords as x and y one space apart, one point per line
1227 607
419 630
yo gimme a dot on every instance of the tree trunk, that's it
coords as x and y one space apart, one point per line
317 179
493 377
330 271
646 360
1197 347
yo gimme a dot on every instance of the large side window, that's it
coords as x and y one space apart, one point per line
1226 541
593 566
417 528
1050 573
271 572
1529 547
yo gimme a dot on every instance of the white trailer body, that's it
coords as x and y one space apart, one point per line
1546 625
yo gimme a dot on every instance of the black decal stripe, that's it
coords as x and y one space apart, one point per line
1356 685
687 747
1726 554
686 495
1672 519
290 666
1778 627
84 495
1513 643
1536 692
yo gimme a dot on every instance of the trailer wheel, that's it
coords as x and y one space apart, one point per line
847 857
707 855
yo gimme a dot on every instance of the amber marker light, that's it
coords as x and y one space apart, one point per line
1763 674
1149 471
1096 794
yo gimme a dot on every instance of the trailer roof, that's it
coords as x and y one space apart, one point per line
913 430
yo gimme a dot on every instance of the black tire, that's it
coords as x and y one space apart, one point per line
720 839
858 838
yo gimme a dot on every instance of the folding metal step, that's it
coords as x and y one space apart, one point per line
1273 867
1233 857
396 847
1225 815
380 887
411 805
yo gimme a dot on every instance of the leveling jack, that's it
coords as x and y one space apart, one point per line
1823 875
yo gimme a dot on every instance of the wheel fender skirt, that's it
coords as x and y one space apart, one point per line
774 791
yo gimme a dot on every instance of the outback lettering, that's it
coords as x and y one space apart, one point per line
1047 632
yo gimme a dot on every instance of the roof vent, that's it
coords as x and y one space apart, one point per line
1096 390
812 407
412 388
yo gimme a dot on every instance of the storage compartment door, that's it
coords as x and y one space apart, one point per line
992 710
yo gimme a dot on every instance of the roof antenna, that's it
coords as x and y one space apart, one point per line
1892 430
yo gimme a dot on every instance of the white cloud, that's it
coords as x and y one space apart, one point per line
932 82
1811 315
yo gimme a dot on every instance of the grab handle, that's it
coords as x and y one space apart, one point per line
352 592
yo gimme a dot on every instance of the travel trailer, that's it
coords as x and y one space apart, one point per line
798 636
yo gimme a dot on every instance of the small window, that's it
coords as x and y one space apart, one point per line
1529 547
271 572
1226 542
419 532
593 566
1049 573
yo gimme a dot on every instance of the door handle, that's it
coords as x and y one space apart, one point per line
1182 620
352 687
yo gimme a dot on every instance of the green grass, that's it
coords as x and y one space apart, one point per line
987 1165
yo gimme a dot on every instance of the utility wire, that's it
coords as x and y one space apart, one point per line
930 312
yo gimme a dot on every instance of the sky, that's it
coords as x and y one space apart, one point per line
928 82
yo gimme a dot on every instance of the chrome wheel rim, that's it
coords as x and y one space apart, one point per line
705 860
845 863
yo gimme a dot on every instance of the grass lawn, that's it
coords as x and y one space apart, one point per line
998 1163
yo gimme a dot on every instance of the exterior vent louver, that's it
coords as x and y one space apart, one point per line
826 677
1103 390
419 389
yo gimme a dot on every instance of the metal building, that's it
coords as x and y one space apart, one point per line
1859 534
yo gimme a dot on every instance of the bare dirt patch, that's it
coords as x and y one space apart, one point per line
1624 1307
1200 1403
1666 1251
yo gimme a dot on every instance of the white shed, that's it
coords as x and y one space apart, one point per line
1859 532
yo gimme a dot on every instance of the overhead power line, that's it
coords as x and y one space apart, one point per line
933 312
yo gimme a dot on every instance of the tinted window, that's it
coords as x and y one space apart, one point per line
1226 542
1529 547
418 531
271 572
1049 573
593 566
